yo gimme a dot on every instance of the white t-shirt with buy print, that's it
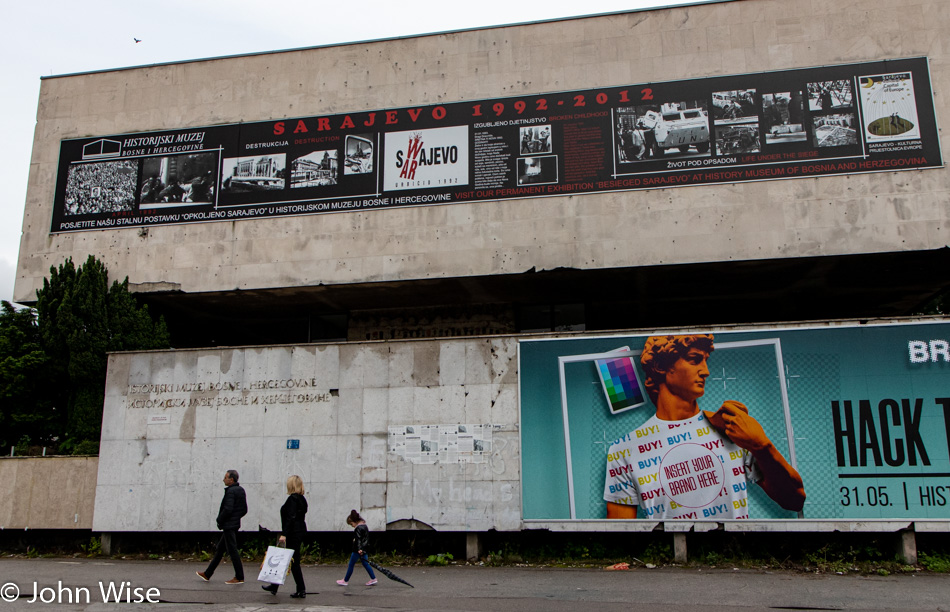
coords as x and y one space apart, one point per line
680 470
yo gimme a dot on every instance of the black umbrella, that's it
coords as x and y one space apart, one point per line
388 574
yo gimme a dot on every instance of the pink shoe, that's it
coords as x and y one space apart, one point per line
371 582
342 582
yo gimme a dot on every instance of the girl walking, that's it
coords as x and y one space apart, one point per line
360 546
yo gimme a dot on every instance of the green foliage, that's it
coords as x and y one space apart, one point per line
80 318
85 447
254 549
495 558
439 559
658 553
27 415
576 552
93 549
22 447
310 553
935 562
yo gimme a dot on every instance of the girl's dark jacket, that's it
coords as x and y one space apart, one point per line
361 538
292 515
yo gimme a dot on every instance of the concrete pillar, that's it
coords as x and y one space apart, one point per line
105 542
473 545
679 547
907 547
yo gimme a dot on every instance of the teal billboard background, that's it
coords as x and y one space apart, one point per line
892 381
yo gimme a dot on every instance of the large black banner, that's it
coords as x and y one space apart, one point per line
817 121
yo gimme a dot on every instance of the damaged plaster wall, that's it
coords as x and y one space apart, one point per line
175 421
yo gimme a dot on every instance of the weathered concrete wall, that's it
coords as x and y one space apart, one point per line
175 421
47 492
890 211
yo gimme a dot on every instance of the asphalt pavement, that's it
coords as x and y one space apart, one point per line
94 584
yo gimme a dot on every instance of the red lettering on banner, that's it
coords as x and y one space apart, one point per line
414 113
323 123
278 128
372 119
301 127
409 170
347 123
391 118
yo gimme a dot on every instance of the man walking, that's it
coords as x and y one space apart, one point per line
233 507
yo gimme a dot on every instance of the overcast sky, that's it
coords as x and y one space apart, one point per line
54 37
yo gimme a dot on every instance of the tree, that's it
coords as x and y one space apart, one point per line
80 318
27 413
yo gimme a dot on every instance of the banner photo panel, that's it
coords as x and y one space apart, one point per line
841 119
840 423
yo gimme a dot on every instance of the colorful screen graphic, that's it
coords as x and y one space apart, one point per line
621 384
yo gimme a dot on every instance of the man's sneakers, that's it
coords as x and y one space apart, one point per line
206 578
371 582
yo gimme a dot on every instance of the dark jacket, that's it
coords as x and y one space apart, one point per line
233 507
292 515
361 538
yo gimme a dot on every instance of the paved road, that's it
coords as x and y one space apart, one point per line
466 588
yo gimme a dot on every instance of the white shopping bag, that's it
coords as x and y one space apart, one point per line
276 565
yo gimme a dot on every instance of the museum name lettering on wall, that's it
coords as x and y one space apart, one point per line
844 119
212 394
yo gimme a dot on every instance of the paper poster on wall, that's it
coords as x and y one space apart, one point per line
890 107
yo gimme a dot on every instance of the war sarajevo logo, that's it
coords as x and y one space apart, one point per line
423 159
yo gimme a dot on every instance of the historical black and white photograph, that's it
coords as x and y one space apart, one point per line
736 120
359 154
781 118
101 187
178 180
250 174
830 95
674 129
734 104
316 169
737 138
835 130
535 139
537 170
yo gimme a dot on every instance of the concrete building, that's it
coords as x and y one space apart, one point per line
834 242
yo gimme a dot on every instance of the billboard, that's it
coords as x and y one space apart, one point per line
828 120
844 423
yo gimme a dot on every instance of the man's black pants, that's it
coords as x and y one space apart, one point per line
228 542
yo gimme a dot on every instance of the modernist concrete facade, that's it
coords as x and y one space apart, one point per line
853 246
830 238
